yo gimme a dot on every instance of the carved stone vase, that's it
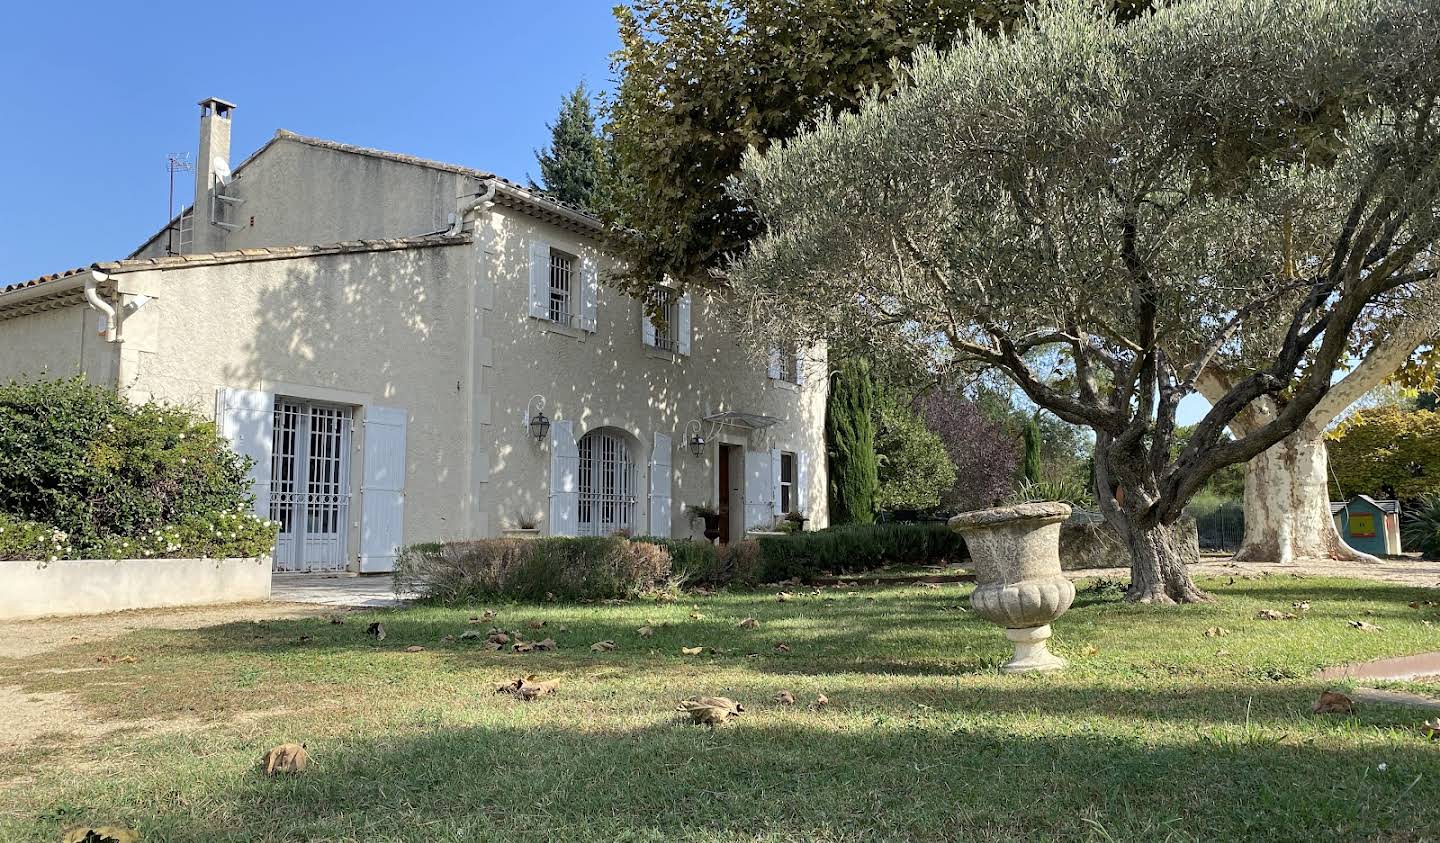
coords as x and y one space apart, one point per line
1015 552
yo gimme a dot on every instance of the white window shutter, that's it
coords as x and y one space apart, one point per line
774 371
647 328
802 482
382 492
800 362
775 481
246 419
660 468
589 294
564 479
759 511
683 329
540 279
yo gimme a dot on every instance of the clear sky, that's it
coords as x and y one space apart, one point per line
94 96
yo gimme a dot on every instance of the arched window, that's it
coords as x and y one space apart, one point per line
607 484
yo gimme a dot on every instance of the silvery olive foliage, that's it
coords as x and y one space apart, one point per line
1101 212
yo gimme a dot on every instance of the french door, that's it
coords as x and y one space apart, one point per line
310 485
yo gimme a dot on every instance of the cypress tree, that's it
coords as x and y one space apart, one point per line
1032 452
850 442
570 165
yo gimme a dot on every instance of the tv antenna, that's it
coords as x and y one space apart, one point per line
175 162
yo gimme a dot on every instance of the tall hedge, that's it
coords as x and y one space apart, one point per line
1032 452
850 443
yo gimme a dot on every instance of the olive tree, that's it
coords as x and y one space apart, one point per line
1103 213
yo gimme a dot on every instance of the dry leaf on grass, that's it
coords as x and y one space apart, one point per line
1216 632
1301 605
112 659
470 635
1364 626
522 647
494 647
1431 728
535 623
376 630
1274 615
748 623
711 711
546 646
784 596
930 585
691 651
1089 650
527 688
696 616
100 834
602 646
286 758
645 632
784 698
1332 702
821 701
782 647
414 648
448 638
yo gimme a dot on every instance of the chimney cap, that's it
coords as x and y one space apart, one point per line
219 106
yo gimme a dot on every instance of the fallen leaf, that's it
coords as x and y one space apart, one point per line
448 638
602 646
645 632
696 616
1274 615
692 651
1364 626
493 647
782 647
546 646
784 698
1089 650
1332 702
488 615
527 688
100 834
286 758
930 585
784 597
535 623
711 711
1216 632
1301 605
498 636
116 659
376 630
470 635
1432 728
748 623
522 647
549 597
414 648
821 700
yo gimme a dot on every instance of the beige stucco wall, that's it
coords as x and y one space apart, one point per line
94 586
610 378
55 344
369 329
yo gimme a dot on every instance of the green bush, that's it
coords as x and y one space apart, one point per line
855 548
1421 528
106 472
31 540
700 563
531 569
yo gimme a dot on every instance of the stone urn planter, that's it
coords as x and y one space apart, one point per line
1019 585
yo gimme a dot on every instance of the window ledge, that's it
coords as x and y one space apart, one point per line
556 328
787 385
661 354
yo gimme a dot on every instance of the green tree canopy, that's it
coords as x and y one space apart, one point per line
1386 452
570 165
913 469
850 442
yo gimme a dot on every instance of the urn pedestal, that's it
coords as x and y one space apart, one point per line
1015 551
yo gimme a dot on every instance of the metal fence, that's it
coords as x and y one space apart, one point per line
1221 526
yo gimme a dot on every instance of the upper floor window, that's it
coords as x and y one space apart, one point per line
787 364
562 286
667 330
672 332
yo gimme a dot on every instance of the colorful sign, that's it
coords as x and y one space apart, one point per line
1362 525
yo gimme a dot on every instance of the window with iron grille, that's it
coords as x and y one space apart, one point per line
789 364
667 330
562 286
607 485
787 483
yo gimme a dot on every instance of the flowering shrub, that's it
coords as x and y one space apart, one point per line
118 480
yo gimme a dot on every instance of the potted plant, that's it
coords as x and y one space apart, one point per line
1019 585
793 522
526 527
710 515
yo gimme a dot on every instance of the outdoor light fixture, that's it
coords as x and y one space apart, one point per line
695 439
538 423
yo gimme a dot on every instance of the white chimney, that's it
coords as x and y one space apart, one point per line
213 158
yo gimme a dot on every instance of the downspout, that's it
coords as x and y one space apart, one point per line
474 521
92 295
483 200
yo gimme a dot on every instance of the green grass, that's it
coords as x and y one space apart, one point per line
1155 732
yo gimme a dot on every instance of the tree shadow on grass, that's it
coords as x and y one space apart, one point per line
791 775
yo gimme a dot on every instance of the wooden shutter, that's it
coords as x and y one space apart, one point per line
247 421
589 294
540 279
775 466
647 328
774 371
660 468
682 329
564 479
382 492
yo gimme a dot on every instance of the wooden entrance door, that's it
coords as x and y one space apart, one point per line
722 500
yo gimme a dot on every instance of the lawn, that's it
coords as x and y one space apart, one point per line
1155 732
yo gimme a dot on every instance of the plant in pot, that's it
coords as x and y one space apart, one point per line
710 515
793 522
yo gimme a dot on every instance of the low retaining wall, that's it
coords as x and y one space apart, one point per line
93 586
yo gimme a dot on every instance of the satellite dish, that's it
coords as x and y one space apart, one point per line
222 170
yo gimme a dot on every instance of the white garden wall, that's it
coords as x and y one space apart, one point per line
92 586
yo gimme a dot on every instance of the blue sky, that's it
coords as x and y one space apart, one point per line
96 94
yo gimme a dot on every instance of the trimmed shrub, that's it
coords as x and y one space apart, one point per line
532 569
120 480
31 540
856 548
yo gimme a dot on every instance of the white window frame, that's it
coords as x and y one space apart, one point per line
606 483
560 298
667 330
786 495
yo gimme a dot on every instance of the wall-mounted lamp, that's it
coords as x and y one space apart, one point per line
695 438
538 423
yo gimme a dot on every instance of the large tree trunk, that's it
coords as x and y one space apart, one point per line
1287 505
1160 560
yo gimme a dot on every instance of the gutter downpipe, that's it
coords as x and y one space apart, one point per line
474 520
92 295
483 200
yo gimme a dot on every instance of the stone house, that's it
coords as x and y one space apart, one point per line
411 350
